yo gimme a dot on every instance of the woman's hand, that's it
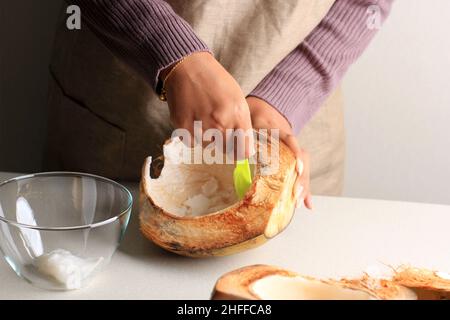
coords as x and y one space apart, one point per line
200 89
264 116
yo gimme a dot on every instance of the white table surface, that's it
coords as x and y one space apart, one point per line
342 237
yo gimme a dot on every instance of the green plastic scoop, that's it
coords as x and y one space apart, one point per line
242 177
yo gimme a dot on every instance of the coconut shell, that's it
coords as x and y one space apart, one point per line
383 289
265 211
427 284
235 285
238 284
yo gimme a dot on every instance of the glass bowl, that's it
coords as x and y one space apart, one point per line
58 229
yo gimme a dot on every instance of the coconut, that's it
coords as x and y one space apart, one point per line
262 282
427 284
383 289
192 209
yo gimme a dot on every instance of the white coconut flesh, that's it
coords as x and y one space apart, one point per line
443 275
188 190
277 287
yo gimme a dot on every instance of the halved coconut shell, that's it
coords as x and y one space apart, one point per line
427 284
265 211
262 282
383 289
269 282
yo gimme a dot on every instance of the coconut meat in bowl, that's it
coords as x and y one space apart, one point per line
59 229
67 269
60 265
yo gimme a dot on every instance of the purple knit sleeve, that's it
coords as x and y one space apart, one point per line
146 34
302 81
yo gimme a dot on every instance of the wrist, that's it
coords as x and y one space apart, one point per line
259 106
186 66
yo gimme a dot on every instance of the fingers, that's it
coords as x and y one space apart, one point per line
291 142
305 181
308 201
201 89
302 184
265 116
243 125
186 123
235 126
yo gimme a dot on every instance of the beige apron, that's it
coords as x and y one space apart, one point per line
105 119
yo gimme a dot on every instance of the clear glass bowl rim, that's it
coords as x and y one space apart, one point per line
70 174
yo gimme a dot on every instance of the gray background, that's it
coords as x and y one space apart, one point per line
397 100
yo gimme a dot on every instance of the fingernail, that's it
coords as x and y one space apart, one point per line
310 203
298 192
299 166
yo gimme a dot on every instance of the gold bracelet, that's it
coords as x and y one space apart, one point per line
163 92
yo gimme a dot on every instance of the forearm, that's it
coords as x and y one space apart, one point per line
301 82
147 34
